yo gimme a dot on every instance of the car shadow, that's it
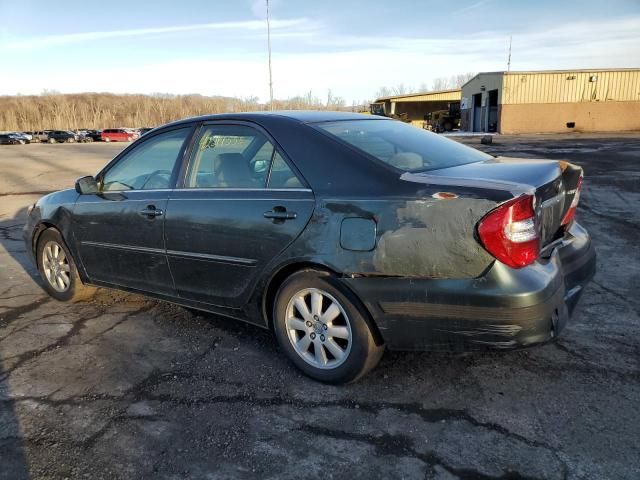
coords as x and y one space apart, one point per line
13 456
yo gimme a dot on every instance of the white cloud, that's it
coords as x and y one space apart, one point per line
52 40
352 66
473 6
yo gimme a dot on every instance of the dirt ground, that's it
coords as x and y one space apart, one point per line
125 387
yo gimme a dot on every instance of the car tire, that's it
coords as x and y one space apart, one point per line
106 139
337 324
58 269
52 140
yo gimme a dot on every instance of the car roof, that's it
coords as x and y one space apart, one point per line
299 116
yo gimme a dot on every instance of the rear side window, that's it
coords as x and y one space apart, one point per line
236 156
281 175
401 145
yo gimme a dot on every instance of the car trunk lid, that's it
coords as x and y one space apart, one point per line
553 183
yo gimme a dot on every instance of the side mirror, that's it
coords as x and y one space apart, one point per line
86 185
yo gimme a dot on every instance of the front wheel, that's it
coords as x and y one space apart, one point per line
322 329
58 270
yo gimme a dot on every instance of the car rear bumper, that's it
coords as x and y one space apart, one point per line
505 308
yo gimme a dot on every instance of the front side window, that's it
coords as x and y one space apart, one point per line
231 156
402 146
149 165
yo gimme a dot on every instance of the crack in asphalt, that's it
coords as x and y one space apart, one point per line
15 313
29 325
607 216
431 416
25 357
7 231
568 351
135 393
619 296
77 327
399 445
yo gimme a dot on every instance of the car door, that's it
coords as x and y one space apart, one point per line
234 214
119 232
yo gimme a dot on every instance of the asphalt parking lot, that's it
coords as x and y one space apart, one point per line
125 387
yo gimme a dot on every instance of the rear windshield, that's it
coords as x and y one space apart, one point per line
401 145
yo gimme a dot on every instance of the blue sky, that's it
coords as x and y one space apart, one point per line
351 47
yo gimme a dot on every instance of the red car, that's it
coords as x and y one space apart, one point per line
118 135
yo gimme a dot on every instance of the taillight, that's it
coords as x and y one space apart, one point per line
571 213
510 232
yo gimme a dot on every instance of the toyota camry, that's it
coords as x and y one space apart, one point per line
344 234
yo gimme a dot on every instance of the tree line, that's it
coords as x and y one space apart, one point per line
440 83
55 111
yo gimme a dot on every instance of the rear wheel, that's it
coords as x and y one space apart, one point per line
58 270
52 140
323 330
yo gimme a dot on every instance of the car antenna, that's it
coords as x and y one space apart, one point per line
269 47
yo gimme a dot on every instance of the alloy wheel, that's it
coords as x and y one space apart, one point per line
318 328
55 266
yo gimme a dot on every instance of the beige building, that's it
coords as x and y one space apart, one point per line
552 101
415 106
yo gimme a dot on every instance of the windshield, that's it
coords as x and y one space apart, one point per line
401 145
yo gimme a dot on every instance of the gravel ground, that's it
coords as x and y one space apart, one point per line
126 387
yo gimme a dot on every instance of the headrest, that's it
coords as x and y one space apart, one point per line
406 161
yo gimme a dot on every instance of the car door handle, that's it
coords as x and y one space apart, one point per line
280 214
151 211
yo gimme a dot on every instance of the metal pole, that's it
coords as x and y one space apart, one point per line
508 60
269 46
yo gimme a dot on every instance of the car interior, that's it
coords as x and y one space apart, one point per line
239 162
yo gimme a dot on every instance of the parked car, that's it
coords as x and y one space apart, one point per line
343 233
21 137
6 139
83 136
67 136
39 136
95 135
142 131
26 135
119 135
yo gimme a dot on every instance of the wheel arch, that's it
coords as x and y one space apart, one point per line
45 225
278 278
38 231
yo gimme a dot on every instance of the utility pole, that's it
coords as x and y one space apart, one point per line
508 59
269 47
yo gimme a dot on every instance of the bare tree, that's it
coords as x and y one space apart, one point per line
400 89
104 110
454 81
383 92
